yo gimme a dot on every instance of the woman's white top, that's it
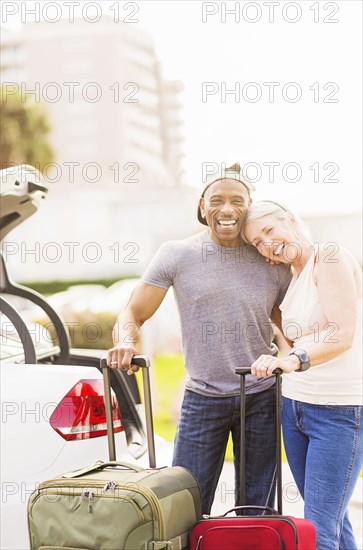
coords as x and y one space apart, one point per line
338 381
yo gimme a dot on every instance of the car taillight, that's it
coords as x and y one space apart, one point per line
81 414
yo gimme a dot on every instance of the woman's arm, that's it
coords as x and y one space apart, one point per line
337 293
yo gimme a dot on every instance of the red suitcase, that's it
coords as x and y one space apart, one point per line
269 530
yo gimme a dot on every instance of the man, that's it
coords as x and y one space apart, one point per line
226 295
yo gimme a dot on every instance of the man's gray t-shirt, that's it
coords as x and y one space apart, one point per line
225 297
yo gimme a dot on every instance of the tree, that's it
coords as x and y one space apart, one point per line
24 129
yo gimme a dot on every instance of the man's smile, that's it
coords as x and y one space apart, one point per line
227 222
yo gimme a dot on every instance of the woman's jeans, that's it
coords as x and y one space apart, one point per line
202 436
324 448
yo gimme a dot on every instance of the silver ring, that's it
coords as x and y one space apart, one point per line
114 362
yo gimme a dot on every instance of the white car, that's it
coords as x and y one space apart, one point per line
52 406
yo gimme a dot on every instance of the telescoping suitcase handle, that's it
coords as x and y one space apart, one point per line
242 496
143 362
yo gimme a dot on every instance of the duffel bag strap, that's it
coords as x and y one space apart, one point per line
100 465
177 543
159 545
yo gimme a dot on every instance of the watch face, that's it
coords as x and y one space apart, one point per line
303 358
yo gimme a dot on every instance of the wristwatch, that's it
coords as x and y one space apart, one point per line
303 358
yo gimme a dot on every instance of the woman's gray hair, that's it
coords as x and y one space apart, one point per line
266 208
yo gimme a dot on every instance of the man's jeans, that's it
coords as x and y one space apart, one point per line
325 451
202 436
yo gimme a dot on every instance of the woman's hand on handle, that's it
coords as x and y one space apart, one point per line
265 365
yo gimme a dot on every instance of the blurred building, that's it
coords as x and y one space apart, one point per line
107 99
117 133
12 57
170 108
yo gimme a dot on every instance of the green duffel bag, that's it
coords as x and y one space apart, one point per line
114 506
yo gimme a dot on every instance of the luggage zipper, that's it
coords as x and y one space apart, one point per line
87 494
110 486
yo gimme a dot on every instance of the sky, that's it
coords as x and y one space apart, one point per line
274 85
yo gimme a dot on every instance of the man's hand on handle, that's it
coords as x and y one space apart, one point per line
120 357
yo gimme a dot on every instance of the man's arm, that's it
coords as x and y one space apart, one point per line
276 317
143 303
283 343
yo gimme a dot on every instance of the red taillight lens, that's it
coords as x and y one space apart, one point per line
81 414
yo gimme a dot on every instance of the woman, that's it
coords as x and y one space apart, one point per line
322 381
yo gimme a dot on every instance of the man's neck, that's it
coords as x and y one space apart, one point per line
235 243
